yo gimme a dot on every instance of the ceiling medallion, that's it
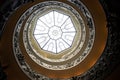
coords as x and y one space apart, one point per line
55 36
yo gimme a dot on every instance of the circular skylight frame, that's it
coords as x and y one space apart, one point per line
39 53
54 29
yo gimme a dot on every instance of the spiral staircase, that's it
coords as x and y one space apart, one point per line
21 59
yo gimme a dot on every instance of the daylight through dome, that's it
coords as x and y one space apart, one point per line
54 32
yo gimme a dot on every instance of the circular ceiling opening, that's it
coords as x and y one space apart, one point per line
54 32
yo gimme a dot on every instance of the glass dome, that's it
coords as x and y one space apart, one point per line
54 31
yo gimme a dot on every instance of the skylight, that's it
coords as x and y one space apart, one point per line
54 32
